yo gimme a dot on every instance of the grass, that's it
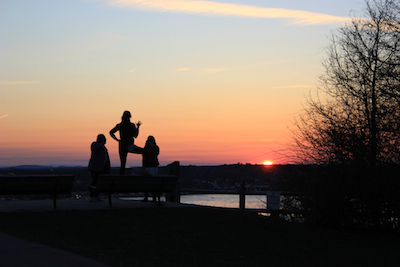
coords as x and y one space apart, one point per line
196 236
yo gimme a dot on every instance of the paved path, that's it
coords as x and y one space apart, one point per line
15 252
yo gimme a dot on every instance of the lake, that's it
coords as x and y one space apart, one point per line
220 200
225 200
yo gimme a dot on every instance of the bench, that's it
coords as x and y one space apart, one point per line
37 185
112 184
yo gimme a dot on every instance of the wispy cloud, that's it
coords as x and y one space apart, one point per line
19 82
4 116
294 86
183 69
228 9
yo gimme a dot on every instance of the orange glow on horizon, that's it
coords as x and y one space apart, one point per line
268 163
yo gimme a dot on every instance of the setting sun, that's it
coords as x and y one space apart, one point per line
268 163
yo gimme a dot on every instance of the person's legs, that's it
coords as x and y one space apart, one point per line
153 171
123 153
135 149
146 196
93 193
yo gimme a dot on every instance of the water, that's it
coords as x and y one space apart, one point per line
225 201
218 200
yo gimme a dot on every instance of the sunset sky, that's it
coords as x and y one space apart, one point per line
215 82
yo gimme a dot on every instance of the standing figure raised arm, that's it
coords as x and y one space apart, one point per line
128 131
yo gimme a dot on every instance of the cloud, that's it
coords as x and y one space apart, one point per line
183 69
19 82
228 9
1 117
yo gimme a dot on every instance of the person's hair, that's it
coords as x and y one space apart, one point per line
101 138
126 116
151 140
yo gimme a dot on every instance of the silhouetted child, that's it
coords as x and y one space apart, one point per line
99 163
150 161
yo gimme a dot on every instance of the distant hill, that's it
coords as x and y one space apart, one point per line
37 167
26 167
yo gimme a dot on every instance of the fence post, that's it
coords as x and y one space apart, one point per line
273 203
242 196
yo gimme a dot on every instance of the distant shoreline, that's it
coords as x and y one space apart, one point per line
77 166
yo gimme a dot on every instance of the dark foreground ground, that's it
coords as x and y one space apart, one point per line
196 236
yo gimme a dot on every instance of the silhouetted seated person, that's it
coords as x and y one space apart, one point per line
128 131
150 162
99 163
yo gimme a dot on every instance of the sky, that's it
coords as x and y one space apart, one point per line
215 82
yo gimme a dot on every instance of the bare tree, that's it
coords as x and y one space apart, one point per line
351 128
355 117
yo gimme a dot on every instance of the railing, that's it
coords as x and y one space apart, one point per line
273 198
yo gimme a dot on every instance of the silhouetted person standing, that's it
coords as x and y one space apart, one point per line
128 131
99 163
